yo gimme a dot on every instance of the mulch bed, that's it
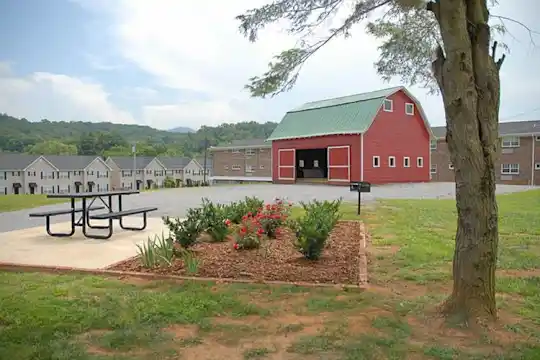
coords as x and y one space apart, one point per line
276 260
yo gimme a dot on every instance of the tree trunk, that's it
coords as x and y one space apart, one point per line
468 77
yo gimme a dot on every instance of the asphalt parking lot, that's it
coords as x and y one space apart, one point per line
175 202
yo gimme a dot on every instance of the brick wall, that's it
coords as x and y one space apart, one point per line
239 162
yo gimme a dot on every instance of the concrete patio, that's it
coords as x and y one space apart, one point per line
33 246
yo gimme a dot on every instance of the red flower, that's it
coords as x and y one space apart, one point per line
228 222
249 214
260 231
243 230
235 246
244 218
268 207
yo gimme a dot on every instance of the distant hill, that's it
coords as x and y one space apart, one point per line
182 130
58 137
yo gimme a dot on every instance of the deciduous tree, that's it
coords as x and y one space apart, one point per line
446 46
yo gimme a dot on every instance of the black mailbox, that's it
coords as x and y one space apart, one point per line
361 186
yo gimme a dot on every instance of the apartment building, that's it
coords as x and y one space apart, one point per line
31 174
195 169
519 155
242 160
149 172
175 168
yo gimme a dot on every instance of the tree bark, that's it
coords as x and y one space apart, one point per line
468 77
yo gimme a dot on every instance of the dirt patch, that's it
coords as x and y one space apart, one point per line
182 331
276 260
519 273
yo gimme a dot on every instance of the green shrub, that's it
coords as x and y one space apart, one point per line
191 262
169 182
314 227
234 211
213 218
249 234
186 232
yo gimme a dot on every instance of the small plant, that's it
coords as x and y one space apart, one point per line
252 204
191 262
186 232
158 251
312 229
273 216
249 234
235 210
213 218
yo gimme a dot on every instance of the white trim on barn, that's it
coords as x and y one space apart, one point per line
286 166
348 166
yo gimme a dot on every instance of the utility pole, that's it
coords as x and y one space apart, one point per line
205 157
134 151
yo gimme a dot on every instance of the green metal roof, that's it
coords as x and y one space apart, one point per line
351 114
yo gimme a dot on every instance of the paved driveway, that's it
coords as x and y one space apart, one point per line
174 202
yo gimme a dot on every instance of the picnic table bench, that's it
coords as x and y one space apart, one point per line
86 209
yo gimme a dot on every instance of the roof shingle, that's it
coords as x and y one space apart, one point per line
505 128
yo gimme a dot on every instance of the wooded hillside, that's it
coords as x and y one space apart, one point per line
85 138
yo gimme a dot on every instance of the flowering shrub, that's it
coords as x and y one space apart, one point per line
273 216
248 234
235 210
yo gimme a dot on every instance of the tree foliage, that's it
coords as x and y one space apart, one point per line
409 35
83 138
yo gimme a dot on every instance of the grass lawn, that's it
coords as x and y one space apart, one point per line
76 317
25 201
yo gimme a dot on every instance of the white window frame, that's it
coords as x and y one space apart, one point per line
261 167
236 167
450 166
388 101
512 170
249 169
235 150
250 152
378 158
510 142
420 162
406 107
433 145
433 169
537 166
537 137
392 159
406 162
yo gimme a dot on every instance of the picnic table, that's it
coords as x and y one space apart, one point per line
87 208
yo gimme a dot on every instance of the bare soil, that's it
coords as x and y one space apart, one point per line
276 260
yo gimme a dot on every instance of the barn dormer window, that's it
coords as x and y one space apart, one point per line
388 105
409 108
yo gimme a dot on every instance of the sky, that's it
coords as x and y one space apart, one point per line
170 63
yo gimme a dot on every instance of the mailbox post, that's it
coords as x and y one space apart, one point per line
360 187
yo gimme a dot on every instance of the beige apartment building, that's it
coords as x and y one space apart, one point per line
519 155
242 161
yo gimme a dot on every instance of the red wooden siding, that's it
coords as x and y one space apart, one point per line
286 164
399 135
339 163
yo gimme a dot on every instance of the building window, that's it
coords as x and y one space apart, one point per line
392 161
409 108
236 167
537 166
450 166
249 168
406 162
250 152
315 163
235 151
301 163
261 167
509 169
510 141
538 138
388 105
420 162
226 167
376 161
433 169
433 145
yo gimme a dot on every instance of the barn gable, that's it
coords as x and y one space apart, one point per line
351 114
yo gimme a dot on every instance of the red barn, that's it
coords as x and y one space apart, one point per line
379 137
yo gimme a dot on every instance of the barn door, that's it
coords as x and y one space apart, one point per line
286 164
339 163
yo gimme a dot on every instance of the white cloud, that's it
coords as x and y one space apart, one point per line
58 97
